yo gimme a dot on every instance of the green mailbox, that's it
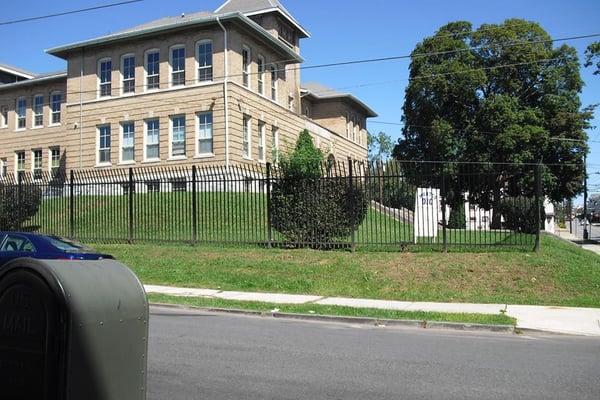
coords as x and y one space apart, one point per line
72 330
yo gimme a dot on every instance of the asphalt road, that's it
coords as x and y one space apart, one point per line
196 355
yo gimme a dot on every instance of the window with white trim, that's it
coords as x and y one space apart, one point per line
55 106
127 142
275 144
105 77
21 110
261 74
36 165
177 65
204 56
205 133
178 136
152 137
274 79
152 69
38 110
261 141
20 162
128 73
54 160
247 137
246 60
3 167
348 125
104 144
3 117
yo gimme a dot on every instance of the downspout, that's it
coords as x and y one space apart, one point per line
225 93
81 110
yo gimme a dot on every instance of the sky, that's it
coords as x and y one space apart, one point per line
341 30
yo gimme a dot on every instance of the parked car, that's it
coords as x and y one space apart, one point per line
46 247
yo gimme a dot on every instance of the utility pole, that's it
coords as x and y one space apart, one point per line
585 195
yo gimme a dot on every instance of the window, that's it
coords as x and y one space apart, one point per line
152 69
348 125
128 73
152 140
104 144
3 167
205 61
247 137
177 66
178 136
274 82
105 77
355 128
55 104
205 133
291 103
261 141
3 117
17 243
38 110
20 162
275 144
261 75
127 142
307 111
54 160
21 112
246 66
36 166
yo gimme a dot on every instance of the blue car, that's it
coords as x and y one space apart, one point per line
46 247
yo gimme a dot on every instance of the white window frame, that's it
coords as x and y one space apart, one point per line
260 61
171 70
98 148
273 69
146 144
247 68
99 77
51 158
18 117
212 134
3 116
275 143
53 112
171 131
206 67
124 80
34 112
247 137
33 161
17 170
146 75
3 167
262 127
122 142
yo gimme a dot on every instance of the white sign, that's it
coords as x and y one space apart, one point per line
427 209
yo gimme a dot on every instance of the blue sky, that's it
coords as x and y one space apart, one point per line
341 30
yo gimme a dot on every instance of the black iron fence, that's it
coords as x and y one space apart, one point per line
393 205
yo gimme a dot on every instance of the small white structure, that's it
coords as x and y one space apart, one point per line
477 218
549 222
427 213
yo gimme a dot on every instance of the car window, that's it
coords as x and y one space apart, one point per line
65 244
17 243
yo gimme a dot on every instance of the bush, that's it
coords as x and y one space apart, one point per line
310 209
18 205
520 213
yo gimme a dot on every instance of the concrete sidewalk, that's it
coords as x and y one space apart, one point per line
570 320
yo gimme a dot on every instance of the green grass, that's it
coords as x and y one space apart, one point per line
562 274
317 309
225 218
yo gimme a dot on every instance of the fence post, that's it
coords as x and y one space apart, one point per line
20 198
131 190
538 195
71 206
350 176
269 227
443 205
194 207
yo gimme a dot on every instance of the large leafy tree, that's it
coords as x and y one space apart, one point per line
501 93
592 57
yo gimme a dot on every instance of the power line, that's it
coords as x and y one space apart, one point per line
81 10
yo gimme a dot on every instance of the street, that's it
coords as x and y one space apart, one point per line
199 355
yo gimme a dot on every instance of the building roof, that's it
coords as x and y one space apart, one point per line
319 91
254 7
175 23
16 71
41 78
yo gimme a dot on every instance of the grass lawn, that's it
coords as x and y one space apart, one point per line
318 309
562 274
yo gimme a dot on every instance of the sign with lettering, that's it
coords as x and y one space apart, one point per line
427 209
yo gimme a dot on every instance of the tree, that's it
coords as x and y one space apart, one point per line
380 146
309 209
592 55
18 204
462 106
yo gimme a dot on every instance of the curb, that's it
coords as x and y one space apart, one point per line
353 320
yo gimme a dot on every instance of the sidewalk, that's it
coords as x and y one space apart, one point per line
591 245
570 320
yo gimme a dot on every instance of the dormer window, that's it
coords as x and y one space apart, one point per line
287 34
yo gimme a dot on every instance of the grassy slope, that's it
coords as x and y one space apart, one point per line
317 309
562 274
